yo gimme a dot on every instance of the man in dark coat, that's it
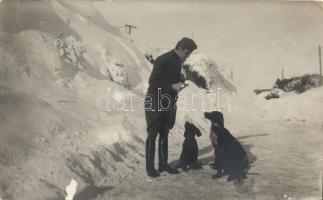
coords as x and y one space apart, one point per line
160 103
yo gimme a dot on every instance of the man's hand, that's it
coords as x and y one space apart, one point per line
179 86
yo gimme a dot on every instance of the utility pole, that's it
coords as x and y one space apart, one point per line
320 56
282 73
231 74
320 60
17 14
129 28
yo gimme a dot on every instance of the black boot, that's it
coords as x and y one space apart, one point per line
163 156
150 157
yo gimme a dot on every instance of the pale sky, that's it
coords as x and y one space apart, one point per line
255 39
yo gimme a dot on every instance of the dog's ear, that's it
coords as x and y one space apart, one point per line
198 133
187 125
218 117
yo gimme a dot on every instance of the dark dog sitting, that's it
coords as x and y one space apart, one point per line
231 158
190 148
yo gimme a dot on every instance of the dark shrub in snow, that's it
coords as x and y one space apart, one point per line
150 58
195 77
299 84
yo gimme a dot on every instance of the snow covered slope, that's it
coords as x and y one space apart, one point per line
71 101
207 69
71 88
54 68
303 108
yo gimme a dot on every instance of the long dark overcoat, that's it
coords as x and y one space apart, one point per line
160 101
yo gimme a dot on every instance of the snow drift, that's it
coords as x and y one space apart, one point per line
56 70
205 73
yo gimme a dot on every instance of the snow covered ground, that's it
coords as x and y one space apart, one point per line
71 107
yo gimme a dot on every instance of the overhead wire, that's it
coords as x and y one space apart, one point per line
285 65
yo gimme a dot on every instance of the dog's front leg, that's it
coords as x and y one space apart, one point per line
219 174
185 168
184 161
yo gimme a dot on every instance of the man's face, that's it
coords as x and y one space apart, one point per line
183 53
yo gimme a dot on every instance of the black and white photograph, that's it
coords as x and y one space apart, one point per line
161 100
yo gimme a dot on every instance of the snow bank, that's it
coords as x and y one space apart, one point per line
113 68
51 126
297 107
70 49
199 63
108 55
205 72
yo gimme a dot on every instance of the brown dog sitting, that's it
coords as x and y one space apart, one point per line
189 153
230 156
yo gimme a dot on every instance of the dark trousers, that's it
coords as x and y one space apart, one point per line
162 149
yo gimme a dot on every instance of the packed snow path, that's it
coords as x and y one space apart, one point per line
286 164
